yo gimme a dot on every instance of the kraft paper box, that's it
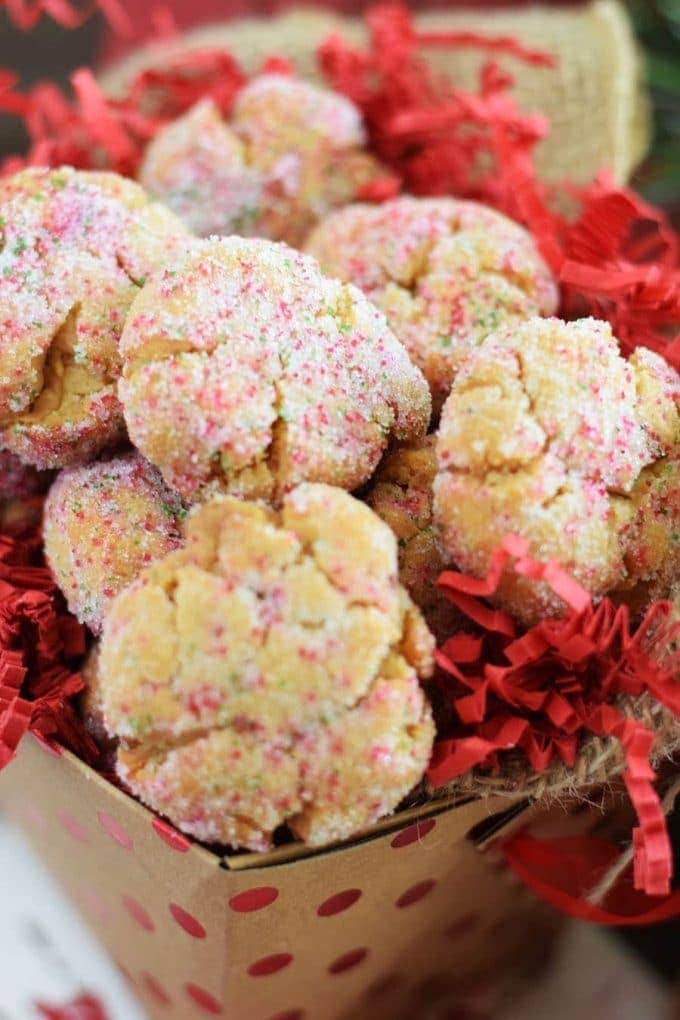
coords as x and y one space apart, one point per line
410 914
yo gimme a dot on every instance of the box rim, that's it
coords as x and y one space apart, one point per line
505 809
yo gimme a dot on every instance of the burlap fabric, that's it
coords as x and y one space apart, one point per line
594 97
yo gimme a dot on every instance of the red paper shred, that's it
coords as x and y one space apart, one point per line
543 690
563 871
83 1007
164 23
616 260
27 13
540 691
89 130
39 643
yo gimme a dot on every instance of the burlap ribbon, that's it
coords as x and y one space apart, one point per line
594 97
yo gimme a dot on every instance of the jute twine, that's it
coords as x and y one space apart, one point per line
598 893
599 761
594 97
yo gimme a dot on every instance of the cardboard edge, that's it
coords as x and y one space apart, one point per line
108 789
500 814
499 817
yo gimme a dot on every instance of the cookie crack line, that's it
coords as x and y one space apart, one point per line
160 744
424 267
306 553
53 368
273 455
120 262
507 470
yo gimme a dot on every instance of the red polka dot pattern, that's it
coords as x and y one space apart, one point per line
138 913
348 960
463 925
125 972
155 989
187 921
34 817
270 964
204 1000
253 899
414 833
172 837
115 830
416 893
339 902
92 902
73 826
383 986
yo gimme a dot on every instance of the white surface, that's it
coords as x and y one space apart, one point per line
594 978
46 953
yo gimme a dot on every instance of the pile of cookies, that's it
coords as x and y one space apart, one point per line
265 456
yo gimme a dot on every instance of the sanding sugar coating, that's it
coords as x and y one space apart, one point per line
446 273
91 700
550 434
652 541
247 371
103 523
401 495
268 673
290 152
75 248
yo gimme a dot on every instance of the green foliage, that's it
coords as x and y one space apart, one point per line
657 23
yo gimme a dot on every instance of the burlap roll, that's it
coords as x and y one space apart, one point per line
599 762
594 97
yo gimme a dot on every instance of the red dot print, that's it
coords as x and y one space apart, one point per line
73 826
414 833
138 913
92 902
171 836
34 817
348 960
289 1014
204 1000
416 893
463 925
270 964
384 985
186 921
253 899
155 989
125 972
54 750
115 830
341 901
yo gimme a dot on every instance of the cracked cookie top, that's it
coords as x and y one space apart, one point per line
268 672
401 495
75 246
247 371
446 273
102 524
549 433
289 153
